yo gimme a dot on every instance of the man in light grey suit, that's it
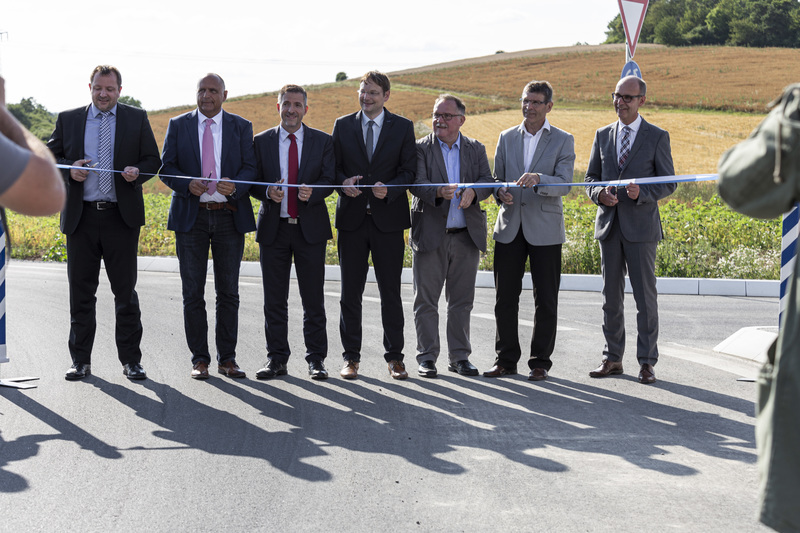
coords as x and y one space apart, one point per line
448 233
530 225
628 225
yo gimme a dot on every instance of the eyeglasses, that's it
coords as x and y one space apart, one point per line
625 97
534 103
447 117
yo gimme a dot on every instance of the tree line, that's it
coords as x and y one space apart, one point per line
756 23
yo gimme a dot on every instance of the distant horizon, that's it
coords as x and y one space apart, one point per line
49 58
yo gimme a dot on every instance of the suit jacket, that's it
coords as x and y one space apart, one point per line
429 213
393 162
650 156
537 210
181 156
317 166
134 145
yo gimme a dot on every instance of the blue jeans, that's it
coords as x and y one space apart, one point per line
217 230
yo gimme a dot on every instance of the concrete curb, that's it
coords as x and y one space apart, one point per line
569 282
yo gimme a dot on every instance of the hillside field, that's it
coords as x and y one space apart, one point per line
708 98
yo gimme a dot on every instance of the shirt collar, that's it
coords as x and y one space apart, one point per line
635 125
545 126
456 144
216 118
285 134
377 120
93 112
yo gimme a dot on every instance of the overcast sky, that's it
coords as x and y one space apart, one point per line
163 47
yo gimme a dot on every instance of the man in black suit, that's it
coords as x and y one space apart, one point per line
210 143
103 214
294 222
373 147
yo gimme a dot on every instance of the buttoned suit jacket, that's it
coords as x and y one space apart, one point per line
317 167
429 213
134 145
650 156
181 157
394 162
537 210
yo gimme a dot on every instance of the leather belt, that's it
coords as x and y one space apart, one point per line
215 206
290 220
454 230
101 205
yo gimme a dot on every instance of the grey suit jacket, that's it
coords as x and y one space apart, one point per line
650 156
429 213
539 210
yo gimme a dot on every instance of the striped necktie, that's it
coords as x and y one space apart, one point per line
104 153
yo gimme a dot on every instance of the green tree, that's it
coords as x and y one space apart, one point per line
130 100
35 117
341 76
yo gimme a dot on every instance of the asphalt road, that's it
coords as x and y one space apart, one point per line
447 454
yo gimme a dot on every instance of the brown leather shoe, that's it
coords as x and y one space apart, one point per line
200 370
231 369
397 370
499 370
606 368
537 374
647 374
349 370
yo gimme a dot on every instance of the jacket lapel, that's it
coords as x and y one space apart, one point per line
359 135
641 137
540 148
194 139
438 159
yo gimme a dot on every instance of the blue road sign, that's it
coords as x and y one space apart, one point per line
631 69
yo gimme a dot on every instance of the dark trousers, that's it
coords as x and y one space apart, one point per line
214 229
276 267
509 269
103 236
387 249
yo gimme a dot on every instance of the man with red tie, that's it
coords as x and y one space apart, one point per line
293 223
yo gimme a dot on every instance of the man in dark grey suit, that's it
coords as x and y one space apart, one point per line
530 226
293 223
628 225
103 215
448 234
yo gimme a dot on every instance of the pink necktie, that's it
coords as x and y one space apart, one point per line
209 161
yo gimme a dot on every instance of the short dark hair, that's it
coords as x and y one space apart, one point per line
105 70
540 87
455 99
378 78
291 88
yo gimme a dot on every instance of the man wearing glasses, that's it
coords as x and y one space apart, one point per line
448 234
628 225
373 147
530 225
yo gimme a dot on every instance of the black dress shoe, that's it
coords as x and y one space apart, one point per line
499 370
78 371
273 369
427 369
316 369
463 367
134 371
647 374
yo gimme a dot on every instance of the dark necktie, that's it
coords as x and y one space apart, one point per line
104 153
291 199
370 140
625 146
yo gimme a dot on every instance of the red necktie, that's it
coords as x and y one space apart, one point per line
291 200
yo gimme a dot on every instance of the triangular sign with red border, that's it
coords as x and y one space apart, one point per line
632 13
